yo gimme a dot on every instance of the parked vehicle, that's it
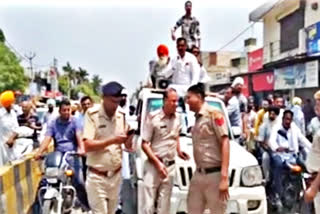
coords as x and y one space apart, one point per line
58 195
247 192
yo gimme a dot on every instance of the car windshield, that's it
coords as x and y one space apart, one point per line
187 117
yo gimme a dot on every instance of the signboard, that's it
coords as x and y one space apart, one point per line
313 40
297 76
245 89
312 74
255 60
263 82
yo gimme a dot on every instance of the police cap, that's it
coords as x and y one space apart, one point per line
112 89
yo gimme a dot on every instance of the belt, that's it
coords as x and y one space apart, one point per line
103 173
209 170
167 163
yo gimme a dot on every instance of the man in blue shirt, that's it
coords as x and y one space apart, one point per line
66 134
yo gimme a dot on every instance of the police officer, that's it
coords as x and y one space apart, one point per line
105 130
161 144
209 185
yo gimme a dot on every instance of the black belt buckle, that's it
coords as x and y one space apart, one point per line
209 170
168 163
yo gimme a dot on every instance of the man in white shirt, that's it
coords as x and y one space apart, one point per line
185 67
285 138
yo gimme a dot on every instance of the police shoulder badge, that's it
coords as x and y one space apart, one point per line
218 118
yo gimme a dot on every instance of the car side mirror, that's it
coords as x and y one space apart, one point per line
236 131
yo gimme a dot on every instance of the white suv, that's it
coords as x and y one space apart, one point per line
247 193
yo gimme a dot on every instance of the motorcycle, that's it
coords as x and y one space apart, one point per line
58 195
294 184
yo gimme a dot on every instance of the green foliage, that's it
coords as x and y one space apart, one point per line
2 37
12 74
63 84
75 81
96 83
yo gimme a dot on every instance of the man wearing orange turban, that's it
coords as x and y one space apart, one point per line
159 68
8 126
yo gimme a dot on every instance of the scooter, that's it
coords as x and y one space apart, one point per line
58 195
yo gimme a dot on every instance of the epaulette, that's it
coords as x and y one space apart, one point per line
93 110
154 113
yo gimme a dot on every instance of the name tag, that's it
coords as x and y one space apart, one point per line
102 126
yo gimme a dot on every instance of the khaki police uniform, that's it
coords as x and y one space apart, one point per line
313 164
162 132
104 174
209 128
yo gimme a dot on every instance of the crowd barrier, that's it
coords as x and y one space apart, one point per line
18 185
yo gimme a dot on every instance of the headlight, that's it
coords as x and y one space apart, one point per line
52 172
251 176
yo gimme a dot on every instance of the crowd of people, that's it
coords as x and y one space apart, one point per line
101 135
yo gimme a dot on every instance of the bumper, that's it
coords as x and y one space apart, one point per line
240 198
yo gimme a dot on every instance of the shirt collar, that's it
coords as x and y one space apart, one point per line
102 113
59 120
202 110
163 115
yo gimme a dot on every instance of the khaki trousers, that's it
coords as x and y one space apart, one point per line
156 189
103 192
204 193
317 203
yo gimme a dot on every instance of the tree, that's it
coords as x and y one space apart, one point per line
2 37
71 74
64 85
96 83
12 74
82 75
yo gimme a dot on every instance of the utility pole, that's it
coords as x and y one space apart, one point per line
30 57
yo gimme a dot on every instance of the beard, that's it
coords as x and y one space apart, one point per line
162 62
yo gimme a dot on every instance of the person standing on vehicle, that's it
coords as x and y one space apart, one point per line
185 67
161 145
190 27
204 77
105 130
66 135
159 68
209 184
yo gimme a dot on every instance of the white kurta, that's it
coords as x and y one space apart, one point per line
8 124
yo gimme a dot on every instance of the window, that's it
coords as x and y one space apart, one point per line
289 30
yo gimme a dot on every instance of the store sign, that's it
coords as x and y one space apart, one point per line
245 89
263 82
313 40
219 78
297 76
255 60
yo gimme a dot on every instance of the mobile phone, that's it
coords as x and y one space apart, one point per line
130 132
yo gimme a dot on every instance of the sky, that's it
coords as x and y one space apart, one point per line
116 39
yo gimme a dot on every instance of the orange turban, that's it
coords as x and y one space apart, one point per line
162 50
7 98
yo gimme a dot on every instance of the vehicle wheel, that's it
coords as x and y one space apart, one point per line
48 207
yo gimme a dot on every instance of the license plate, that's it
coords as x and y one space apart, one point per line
52 180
